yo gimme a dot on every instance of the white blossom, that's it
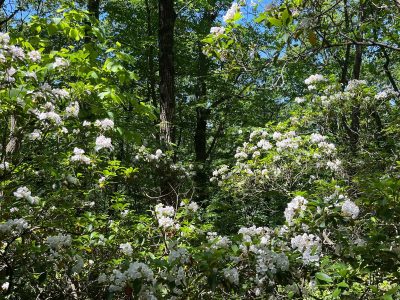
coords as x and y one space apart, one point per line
17 52
104 124
103 142
232 275
334 165
165 222
5 286
59 241
299 100
126 248
34 55
60 93
193 206
313 79
317 138
79 156
14 226
35 135
217 30
60 62
354 85
4 38
350 209
72 110
230 14
309 245
4 165
298 203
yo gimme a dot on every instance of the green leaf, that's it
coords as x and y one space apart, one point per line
74 33
343 285
336 293
275 21
323 277
261 18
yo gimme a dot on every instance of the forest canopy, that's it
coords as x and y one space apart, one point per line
203 149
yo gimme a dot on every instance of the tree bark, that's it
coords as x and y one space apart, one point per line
202 113
387 70
151 80
167 71
355 112
93 7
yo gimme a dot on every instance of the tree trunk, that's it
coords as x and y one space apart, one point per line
355 113
167 71
151 80
93 7
202 113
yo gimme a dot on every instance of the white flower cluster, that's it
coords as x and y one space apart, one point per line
164 216
14 226
60 93
34 56
181 255
249 232
17 52
79 156
5 286
72 109
266 259
313 79
309 245
286 141
4 165
317 138
105 124
387 93
126 248
136 270
144 154
297 204
191 206
60 62
58 241
299 100
103 142
4 38
274 156
230 14
334 165
232 275
350 209
354 85
218 242
35 135
49 115
24 193
217 30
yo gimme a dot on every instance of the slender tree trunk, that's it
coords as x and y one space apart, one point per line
151 80
345 64
166 25
387 70
355 113
94 8
167 71
202 113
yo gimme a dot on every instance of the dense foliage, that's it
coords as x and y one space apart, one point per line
250 152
